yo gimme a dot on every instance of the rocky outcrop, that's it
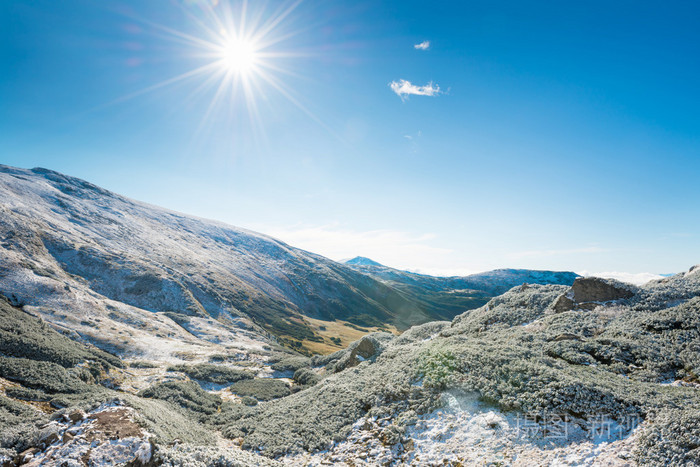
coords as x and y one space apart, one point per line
107 436
367 348
589 292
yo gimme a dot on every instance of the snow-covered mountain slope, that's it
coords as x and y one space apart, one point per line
124 274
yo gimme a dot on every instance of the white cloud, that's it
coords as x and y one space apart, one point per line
425 45
401 250
629 277
404 88
542 253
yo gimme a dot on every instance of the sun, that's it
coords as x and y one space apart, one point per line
239 56
242 53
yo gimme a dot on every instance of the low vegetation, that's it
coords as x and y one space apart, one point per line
519 355
306 377
186 394
25 336
261 389
212 373
290 364
637 357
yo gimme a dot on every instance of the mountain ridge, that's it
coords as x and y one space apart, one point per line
502 279
98 250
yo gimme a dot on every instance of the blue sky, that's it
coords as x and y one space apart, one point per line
564 135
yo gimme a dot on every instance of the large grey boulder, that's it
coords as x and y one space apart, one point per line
589 292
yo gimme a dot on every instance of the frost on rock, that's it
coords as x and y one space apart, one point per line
108 435
470 432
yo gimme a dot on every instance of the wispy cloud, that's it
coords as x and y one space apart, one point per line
413 140
543 253
390 247
404 88
425 45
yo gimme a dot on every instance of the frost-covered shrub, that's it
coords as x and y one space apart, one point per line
142 364
516 354
217 374
316 417
672 438
186 394
518 306
25 336
291 364
306 377
168 422
249 401
324 360
26 394
668 292
208 456
231 412
438 368
18 425
262 389
422 332
46 376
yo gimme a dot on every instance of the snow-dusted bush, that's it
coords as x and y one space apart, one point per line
18 426
672 439
201 456
186 394
262 389
291 364
306 377
218 374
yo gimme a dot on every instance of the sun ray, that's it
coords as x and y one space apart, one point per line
287 94
221 88
242 63
202 70
265 29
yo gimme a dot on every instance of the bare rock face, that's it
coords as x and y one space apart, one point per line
367 348
564 303
589 292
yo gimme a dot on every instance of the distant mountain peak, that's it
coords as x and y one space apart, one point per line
361 261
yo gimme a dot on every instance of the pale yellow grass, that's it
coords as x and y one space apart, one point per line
339 329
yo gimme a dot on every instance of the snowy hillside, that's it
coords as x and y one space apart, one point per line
70 245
